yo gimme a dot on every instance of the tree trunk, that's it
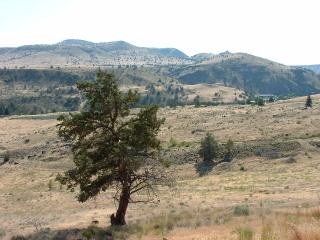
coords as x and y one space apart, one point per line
119 218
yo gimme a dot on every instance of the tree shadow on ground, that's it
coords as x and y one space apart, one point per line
203 168
91 232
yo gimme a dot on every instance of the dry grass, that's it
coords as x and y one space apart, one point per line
282 197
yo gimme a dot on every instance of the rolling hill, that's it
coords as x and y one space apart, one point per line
54 66
253 74
315 68
75 53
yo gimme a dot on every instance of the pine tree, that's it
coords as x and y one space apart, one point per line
110 147
309 101
209 148
196 101
229 151
260 101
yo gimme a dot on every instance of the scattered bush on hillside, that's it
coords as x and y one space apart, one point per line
196 101
209 148
259 101
241 210
175 143
38 104
6 157
308 102
229 151
50 185
245 233
2 233
242 168
18 237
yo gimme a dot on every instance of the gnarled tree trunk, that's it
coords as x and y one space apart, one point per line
119 218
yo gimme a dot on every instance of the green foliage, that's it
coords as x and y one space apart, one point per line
245 233
111 147
38 104
309 101
38 77
6 156
242 168
173 142
271 99
249 100
209 148
257 78
88 234
18 237
229 148
166 95
267 232
259 101
196 101
50 185
241 210
2 233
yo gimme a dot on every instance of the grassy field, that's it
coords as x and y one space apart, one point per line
269 191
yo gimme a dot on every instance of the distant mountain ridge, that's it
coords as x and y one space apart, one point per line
75 52
244 71
250 73
315 67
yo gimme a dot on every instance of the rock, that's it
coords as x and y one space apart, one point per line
290 159
223 166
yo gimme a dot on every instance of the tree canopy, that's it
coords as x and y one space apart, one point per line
309 101
208 148
111 147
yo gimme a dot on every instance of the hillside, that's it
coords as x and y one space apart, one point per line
315 68
34 91
270 187
80 53
250 73
142 66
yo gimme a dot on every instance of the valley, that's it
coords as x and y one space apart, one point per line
274 174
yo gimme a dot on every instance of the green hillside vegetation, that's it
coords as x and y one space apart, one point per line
33 91
253 74
30 91
315 68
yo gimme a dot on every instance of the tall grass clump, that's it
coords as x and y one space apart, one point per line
241 210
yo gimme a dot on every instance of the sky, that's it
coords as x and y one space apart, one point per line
280 30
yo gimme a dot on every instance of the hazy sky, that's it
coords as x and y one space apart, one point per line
280 30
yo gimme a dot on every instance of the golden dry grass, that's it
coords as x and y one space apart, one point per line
282 197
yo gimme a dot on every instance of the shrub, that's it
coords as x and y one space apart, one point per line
267 232
316 214
173 142
6 157
241 210
229 148
50 185
245 233
271 99
209 148
196 101
260 102
2 233
309 101
88 234
18 237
